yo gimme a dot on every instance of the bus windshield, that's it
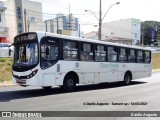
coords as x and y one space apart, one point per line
26 54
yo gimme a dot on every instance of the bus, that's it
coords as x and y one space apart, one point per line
43 59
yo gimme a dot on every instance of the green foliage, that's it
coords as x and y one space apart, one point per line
2 59
146 32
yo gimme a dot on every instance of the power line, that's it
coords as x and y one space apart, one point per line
53 14
49 14
55 3
82 23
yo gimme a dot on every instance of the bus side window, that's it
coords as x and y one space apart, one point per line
70 50
112 54
131 56
147 56
110 49
65 52
86 52
100 53
122 55
140 56
84 56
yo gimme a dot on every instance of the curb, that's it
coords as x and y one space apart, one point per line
7 84
156 70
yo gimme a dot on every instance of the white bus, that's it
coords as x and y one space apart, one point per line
45 59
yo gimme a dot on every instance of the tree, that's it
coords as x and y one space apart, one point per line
150 31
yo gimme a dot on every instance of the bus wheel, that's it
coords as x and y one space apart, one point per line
127 79
69 83
47 87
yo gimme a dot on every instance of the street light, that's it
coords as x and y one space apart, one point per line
100 17
117 3
92 13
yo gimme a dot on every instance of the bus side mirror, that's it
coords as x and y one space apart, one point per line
47 50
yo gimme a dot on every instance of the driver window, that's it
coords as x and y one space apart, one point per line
49 53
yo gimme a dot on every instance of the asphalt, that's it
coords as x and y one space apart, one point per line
36 99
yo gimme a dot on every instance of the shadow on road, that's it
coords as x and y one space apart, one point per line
6 96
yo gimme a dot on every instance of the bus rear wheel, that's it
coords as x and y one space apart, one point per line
127 79
69 83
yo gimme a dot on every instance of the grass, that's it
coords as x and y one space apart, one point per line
156 61
2 59
6 67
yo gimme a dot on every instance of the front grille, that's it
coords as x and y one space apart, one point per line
20 77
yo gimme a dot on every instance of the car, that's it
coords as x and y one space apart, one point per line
4 45
6 50
158 49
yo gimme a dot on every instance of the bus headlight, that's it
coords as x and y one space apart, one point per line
32 74
27 76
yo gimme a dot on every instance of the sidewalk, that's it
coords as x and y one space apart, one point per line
156 70
6 84
10 83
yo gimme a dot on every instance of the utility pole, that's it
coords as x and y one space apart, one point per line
142 39
69 16
25 20
57 26
100 17
46 26
79 30
28 26
100 20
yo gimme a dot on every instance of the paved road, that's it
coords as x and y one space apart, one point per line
114 97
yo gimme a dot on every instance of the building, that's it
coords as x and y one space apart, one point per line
62 22
3 28
92 35
69 22
23 16
49 25
66 25
125 31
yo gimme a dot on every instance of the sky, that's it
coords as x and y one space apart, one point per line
140 9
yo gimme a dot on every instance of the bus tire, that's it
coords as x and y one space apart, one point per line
69 83
127 79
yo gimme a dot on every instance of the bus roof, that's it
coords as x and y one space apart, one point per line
90 40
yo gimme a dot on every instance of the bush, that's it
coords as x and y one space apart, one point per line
2 59
8 69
